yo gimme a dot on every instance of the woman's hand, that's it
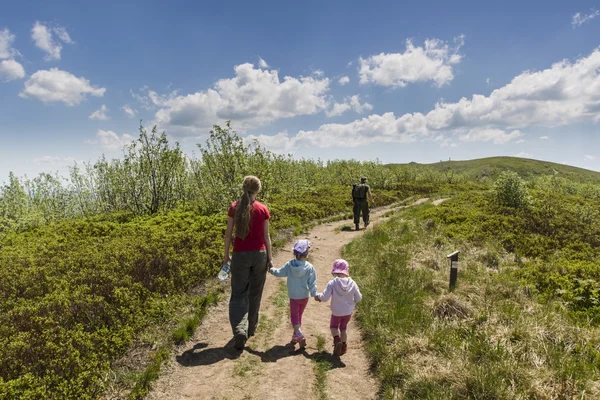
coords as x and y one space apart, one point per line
226 259
269 264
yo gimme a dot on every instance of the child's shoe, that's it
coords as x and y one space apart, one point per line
298 337
337 346
344 348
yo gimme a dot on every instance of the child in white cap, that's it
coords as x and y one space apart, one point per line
301 282
344 295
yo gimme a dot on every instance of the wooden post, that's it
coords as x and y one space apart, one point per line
453 269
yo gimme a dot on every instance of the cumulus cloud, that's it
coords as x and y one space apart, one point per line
109 140
566 93
262 63
587 157
11 70
100 114
252 98
6 41
55 85
42 35
580 19
544 137
433 61
350 103
344 80
497 136
130 112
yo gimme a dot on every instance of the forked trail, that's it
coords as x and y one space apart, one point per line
207 367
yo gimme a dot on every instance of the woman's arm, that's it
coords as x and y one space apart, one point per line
267 237
228 233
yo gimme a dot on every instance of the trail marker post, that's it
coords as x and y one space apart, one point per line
453 269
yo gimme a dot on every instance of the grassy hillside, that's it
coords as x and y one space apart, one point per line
526 168
523 322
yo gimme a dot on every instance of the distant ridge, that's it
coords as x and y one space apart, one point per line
526 168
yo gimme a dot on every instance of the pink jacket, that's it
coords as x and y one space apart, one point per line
344 295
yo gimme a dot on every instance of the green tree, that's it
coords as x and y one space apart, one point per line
511 191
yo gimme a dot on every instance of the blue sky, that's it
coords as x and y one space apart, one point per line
381 79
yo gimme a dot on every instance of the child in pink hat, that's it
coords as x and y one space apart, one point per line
344 295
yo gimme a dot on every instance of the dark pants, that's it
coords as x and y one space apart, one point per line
248 275
361 205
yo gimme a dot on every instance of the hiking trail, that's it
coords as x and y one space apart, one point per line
207 366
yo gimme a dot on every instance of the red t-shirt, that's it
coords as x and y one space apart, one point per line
255 239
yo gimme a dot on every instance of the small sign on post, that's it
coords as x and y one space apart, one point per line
453 269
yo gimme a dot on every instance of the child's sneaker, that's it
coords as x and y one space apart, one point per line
344 348
298 337
337 346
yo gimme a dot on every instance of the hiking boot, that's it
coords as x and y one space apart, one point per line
239 341
337 346
356 227
366 224
344 348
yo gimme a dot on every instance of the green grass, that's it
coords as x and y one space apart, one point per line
320 368
490 339
491 167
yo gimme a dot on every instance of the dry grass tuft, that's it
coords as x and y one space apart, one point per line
451 307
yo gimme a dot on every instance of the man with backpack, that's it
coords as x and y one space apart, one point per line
360 192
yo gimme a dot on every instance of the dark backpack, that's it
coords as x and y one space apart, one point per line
359 190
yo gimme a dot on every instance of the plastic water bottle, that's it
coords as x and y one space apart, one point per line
224 272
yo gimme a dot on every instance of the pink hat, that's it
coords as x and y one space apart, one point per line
340 267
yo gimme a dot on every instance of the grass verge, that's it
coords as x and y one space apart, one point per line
489 339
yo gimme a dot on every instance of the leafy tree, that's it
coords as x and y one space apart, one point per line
511 191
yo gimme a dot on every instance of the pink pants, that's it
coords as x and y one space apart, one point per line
297 307
339 322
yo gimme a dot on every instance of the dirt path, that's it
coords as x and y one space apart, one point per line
207 367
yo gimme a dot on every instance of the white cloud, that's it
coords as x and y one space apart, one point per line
11 70
46 160
497 136
589 158
109 140
524 154
520 141
350 103
57 85
488 81
62 34
544 137
444 141
50 160
580 19
6 49
254 97
100 114
318 73
42 35
344 80
280 142
129 111
262 63
565 93
432 62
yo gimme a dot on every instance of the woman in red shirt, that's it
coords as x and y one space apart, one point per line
250 261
